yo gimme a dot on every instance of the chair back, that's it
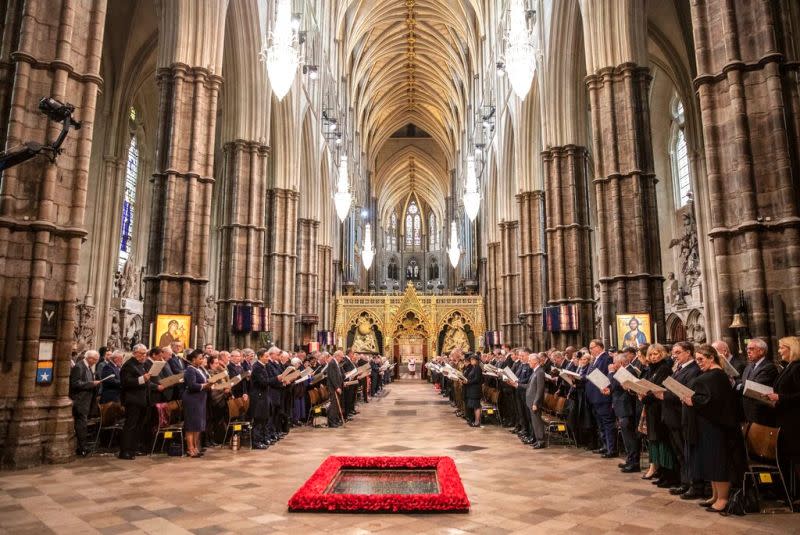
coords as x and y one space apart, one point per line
110 413
761 442
233 408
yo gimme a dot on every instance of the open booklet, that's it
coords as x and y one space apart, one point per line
758 392
598 379
643 386
623 375
509 376
222 385
569 376
729 369
221 376
166 382
680 390
156 368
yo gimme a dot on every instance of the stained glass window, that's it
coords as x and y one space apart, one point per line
128 203
680 155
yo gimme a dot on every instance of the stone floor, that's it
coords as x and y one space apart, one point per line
513 488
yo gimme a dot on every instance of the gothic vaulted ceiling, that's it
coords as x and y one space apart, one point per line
410 62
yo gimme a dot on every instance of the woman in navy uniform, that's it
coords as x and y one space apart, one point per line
194 402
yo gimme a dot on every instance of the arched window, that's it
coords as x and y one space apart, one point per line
128 202
680 155
413 225
392 241
432 234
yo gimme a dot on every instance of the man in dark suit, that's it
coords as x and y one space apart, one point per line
600 402
176 363
275 393
335 383
671 411
738 362
521 386
349 397
159 395
534 399
82 390
623 403
760 369
110 388
135 398
363 381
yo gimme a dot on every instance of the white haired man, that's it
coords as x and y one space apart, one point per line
82 390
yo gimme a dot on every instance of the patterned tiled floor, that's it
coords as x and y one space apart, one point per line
513 488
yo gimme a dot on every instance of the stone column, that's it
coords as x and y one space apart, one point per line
178 255
281 263
493 286
569 269
325 287
308 278
57 47
532 266
241 262
629 260
748 90
509 236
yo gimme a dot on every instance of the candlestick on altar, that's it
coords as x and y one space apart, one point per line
610 335
194 344
152 335
655 330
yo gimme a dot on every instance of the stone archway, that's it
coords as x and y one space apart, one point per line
411 340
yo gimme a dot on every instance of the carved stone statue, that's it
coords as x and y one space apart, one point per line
456 336
689 251
672 292
85 326
114 340
598 311
128 281
365 340
209 320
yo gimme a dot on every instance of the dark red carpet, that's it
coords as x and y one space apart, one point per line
383 485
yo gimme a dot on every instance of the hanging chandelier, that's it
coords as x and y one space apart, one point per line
342 197
520 53
472 199
368 252
454 252
283 54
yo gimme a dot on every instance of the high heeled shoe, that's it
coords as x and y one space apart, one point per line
650 476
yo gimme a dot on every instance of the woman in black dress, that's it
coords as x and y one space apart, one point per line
662 458
472 388
712 426
194 402
579 415
787 405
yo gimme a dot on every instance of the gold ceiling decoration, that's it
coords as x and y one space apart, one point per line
411 54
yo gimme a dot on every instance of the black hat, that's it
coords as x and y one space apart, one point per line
474 356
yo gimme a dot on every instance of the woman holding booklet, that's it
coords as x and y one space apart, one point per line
713 427
786 397
662 458
194 402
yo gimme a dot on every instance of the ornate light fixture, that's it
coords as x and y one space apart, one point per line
520 54
472 199
283 54
454 252
368 252
342 197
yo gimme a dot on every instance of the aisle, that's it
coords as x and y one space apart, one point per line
513 489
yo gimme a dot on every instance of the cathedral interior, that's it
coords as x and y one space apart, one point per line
404 176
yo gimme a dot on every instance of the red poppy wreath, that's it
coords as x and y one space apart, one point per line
383 485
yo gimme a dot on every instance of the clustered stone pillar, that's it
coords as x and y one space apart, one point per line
308 276
532 259
748 90
509 247
569 267
57 47
629 258
241 267
326 286
281 260
178 250
493 286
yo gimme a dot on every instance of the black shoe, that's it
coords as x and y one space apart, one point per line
630 469
677 491
141 453
601 451
622 465
609 455
260 446
126 456
691 494
538 446
82 452
665 484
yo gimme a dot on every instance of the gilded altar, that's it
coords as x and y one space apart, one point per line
379 323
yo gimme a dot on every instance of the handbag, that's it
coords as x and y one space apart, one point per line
642 427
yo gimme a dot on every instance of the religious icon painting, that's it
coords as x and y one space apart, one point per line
633 330
172 327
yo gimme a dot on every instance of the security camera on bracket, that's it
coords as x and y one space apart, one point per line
57 112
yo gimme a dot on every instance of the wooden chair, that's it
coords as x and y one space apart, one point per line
238 421
555 419
761 443
170 423
112 418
